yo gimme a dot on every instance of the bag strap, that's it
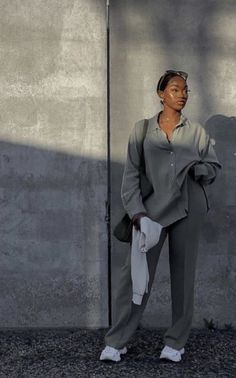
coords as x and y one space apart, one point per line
145 127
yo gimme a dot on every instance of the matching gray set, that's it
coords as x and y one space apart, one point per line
180 204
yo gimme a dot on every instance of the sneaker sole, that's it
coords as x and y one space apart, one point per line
166 357
109 358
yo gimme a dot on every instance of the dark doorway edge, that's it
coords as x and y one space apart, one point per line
108 203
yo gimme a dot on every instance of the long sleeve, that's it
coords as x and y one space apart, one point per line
130 187
206 170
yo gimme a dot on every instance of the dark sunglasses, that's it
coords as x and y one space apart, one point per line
180 73
183 74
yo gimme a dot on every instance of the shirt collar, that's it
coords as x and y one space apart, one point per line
155 125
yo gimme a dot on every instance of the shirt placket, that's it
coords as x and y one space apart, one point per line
172 151
172 157
172 162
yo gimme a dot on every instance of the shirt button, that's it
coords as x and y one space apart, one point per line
172 164
171 152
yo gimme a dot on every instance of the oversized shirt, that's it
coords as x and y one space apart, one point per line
167 164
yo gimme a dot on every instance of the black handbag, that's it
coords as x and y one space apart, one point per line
123 230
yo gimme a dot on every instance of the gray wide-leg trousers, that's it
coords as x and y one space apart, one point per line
183 238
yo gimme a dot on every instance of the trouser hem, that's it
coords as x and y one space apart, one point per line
115 346
173 344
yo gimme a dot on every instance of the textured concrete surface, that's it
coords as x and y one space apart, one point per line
75 353
53 184
198 37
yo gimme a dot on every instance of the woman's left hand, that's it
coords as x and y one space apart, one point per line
136 220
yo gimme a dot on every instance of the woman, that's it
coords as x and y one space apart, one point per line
180 160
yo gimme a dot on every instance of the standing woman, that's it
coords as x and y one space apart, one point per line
180 160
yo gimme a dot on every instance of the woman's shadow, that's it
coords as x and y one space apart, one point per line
221 220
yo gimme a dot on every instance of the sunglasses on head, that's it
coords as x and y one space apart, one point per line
180 73
183 74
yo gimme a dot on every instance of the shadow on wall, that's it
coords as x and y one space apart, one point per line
53 243
197 37
222 192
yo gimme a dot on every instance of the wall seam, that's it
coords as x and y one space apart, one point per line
108 205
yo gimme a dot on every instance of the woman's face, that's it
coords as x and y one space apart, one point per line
175 94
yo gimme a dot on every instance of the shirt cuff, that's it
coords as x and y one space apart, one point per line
200 170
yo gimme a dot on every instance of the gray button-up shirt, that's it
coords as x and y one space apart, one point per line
167 164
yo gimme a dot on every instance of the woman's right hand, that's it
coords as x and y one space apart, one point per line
136 220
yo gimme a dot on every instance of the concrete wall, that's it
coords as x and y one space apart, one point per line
148 37
53 178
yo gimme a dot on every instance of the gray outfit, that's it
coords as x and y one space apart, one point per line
166 166
180 204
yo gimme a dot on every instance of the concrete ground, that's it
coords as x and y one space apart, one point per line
75 353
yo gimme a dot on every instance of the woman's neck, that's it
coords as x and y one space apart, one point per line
170 115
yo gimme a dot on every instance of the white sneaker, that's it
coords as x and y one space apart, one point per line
113 354
172 354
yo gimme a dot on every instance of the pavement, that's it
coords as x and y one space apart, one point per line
74 352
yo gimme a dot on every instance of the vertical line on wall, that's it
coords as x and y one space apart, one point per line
108 212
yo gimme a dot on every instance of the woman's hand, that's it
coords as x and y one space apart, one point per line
136 220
